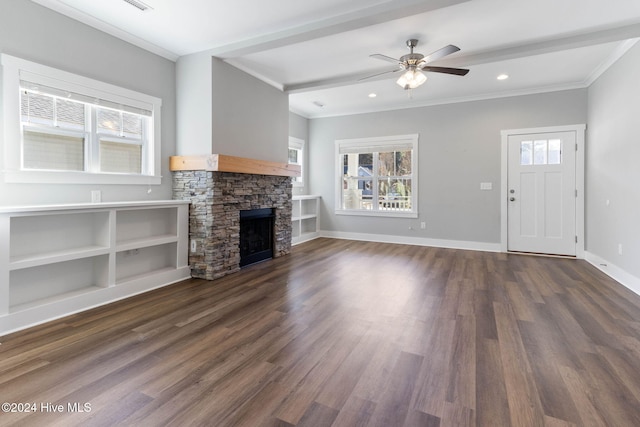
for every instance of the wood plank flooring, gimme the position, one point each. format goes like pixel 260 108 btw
pixel 344 333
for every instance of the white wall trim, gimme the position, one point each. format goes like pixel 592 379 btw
pixel 373 144
pixel 56 310
pixel 14 69
pixel 443 101
pixel 416 241
pixel 626 279
pixel 80 16
pixel 579 129
pixel 618 52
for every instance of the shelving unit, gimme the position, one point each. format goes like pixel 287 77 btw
pixel 305 211
pixel 61 259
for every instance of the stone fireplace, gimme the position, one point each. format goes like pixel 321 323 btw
pixel 217 198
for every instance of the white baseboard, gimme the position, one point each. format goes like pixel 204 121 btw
pixel 304 238
pixel 626 279
pixel 417 241
pixel 64 307
pixel 620 275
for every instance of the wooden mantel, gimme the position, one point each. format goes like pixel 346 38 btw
pixel 224 163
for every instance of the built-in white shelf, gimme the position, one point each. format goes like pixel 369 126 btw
pixel 305 218
pixel 60 259
pixel 126 245
pixel 33 260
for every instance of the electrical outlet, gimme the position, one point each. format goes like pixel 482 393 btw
pixel 96 196
pixel 423 225
pixel 619 248
pixel 194 245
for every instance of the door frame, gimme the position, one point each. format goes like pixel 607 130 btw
pixel 579 129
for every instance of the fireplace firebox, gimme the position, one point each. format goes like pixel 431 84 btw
pixel 256 235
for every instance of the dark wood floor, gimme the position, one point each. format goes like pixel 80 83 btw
pixel 345 333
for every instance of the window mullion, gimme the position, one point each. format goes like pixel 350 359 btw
pixel 144 166
pixel 55 111
pixel 376 200
pixel 93 148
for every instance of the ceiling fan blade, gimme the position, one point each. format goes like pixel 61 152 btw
pixel 446 70
pixel 379 74
pixel 441 53
pixel 384 58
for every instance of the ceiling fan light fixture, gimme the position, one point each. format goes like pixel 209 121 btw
pixel 411 79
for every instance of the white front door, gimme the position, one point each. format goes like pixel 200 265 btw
pixel 541 185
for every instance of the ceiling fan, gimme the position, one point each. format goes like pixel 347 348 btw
pixel 415 63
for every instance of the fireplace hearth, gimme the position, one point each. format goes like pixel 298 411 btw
pixel 256 235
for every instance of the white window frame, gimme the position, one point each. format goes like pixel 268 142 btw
pixel 373 145
pixel 298 144
pixel 14 69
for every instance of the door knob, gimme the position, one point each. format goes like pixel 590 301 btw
pixel 513 199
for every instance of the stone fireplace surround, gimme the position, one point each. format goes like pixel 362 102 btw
pixel 214 215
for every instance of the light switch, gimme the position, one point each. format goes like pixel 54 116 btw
pixel 486 186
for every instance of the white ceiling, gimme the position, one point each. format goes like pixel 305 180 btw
pixel 317 50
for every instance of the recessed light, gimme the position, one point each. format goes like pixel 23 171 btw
pixel 139 5
pixel 503 77
pixel 372 95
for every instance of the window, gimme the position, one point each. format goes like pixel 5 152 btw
pixel 541 152
pixel 378 176
pixel 296 157
pixel 65 128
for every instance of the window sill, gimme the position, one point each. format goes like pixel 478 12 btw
pixel 42 177
pixel 383 214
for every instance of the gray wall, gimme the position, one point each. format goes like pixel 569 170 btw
pixel 223 110
pixel 612 169
pixel 299 128
pixel 249 117
pixel 37 34
pixel 459 148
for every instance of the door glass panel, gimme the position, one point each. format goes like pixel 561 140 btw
pixel 526 152
pixel 540 152
pixel 555 151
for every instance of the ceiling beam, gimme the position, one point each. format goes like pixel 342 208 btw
pixel 539 47
pixel 544 46
pixel 346 22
